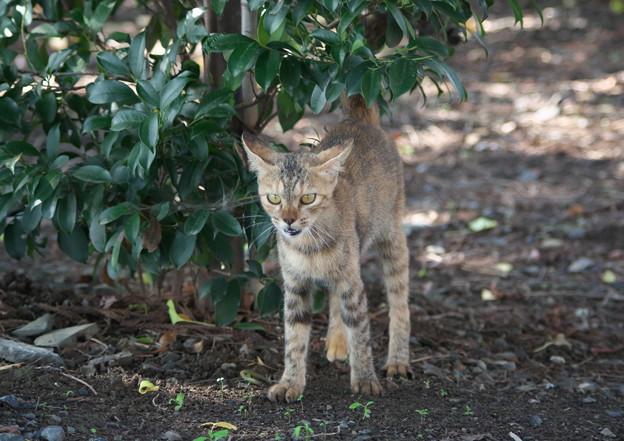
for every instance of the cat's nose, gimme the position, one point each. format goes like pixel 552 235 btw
pixel 289 220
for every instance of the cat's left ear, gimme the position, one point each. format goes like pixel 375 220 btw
pixel 333 159
pixel 259 156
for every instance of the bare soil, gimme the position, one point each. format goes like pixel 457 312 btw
pixel 518 329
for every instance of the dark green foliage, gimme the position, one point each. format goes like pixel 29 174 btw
pixel 138 159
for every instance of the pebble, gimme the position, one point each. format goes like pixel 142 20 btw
pixel 557 359
pixel 171 435
pixel 607 432
pixel 587 400
pixel 535 421
pixel 11 437
pixel 614 414
pixel 51 433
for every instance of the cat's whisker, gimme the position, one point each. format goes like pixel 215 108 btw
pixel 263 235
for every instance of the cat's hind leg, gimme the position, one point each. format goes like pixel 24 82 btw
pixel 394 260
pixel 336 343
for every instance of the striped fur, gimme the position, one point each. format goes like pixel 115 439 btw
pixel 357 178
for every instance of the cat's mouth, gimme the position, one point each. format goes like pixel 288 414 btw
pixel 291 231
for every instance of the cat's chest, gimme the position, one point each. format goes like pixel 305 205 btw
pixel 321 265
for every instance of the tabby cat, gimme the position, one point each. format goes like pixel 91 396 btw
pixel 328 207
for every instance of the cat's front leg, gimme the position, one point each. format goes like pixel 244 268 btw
pixel 297 325
pixel 354 313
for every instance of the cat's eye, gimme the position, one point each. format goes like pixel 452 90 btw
pixel 307 199
pixel 273 198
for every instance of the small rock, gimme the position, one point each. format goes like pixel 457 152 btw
pixel 11 437
pixel 66 337
pixel 535 421
pixel 329 407
pixel 12 401
pixel 588 400
pixel 557 359
pixel 614 414
pixel 35 328
pixel 51 433
pixel 607 432
pixel 16 352
pixel 581 264
pixel 342 427
pixel 171 435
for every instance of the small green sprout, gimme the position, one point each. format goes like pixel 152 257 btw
pixel 366 411
pixel 307 432
pixel 468 410
pixel 300 399
pixel 69 393
pixel 443 393
pixel 287 414
pixel 423 413
pixel 427 384
pixel 178 401
pixel 220 380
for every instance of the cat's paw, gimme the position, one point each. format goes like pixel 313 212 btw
pixel 369 387
pixel 284 392
pixel 401 370
pixel 337 348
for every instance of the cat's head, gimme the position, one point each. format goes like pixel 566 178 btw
pixel 295 188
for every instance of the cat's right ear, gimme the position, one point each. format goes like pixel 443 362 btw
pixel 259 156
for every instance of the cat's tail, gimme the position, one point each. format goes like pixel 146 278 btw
pixel 355 109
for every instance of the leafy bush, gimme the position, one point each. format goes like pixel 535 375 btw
pixel 118 140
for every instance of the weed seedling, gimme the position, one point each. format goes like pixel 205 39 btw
pixel 242 410
pixel 69 393
pixel 287 414
pixel 427 384
pixel 220 380
pixel 300 399
pixel 178 401
pixel 443 393
pixel 307 432
pixel 423 413
pixel 366 411
pixel 468 410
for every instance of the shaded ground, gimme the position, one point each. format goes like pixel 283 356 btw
pixel 518 330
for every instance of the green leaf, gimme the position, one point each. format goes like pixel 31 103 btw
pixel 109 62
pixel 95 122
pixel 173 90
pixel 127 119
pixel 148 93
pixel 52 142
pixel 182 248
pixel 136 56
pixel 401 21
pixel 216 99
pixel 215 288
pixel 100 15
pixel 269 300
pixel 267 67
pixel 317 99
pixel 254 5
pixel 445 71
pixel 113 213
pixel 225 42
pixel 289 112
pixel 97 235
pixel 247 326
pixel 66 213
pixel 301 10
pixel 132 226
pixel 75 244
pixel 111 91
pixel 218 6
pixel 195 222
pixel 93 173
pixel 19 148
pixel 10 112
pixel 14 241
pixel 148 131
pixel 429 46
pixel 371 85
pixel 275 16
pixel 226 223
pixel 290 74
pixel 227 308
pixel 326 36
pixel 242 58
pixel 402 76
pixel 482 224
pixel 47 107
pixel 31 218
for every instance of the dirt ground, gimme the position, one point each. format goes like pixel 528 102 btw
pixel 516 225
